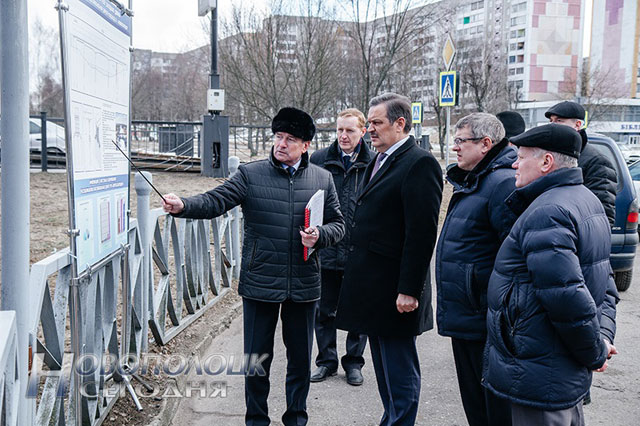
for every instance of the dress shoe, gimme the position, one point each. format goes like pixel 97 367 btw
pixel 321 373
pixel 354 377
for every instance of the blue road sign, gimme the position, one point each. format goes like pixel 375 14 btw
pixel 448 88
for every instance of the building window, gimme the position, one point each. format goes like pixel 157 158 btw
pixel 466 20
pixel 477 5
pixel 519 7
pixel 512 59
pixel 518 20
pixel 512 71
pixel 519 70
pixel 521 32
pixel 520 58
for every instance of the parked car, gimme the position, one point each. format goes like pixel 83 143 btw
pixel 55 137
pixel 624 232
pixel 631 153
pixel 634 170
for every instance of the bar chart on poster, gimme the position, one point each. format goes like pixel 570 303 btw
pixel 97 40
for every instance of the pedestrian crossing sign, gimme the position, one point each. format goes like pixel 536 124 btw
pixel 448 87
pixel 416 113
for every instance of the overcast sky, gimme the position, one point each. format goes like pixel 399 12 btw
pixel 161 25
pixel 174 25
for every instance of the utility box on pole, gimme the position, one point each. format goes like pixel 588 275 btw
pixel 215 146
pixel 215 127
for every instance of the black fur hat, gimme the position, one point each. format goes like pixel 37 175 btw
pixel 513 123
pixel 294 121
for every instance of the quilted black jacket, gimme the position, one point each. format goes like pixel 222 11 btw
pixel 273 203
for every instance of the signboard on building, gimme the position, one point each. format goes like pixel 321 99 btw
pixel 448 86
pixel 96 41
pixel 416 113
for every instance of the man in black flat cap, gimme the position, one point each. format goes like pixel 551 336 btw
pixel 513 123
pixel 549 321
pixel 599 175
pixel 275 279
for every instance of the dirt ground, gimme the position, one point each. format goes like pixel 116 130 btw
pixel 49 207
pixel 48 233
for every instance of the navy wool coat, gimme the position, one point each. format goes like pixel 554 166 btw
pixel 393 234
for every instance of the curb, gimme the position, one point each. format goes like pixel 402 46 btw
pixel 170 406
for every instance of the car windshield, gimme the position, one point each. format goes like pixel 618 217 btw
pixel 634 170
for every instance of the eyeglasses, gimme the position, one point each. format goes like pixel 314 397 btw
pixel 460 141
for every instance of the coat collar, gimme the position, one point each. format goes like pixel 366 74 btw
pixel 499 156
pixel 410 143
pixel 304 162
pixel 334 156
pixel 521 198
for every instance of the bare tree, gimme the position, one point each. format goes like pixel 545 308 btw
pixel 44 70
pixel 189 84
pixel 598 88
pixel 270 60
pixel 386 33
pixel 483 76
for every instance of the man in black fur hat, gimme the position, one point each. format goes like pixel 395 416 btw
pixel 275 279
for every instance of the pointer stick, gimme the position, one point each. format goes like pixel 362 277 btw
pixel 139 171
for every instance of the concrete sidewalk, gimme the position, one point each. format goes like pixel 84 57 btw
pixel 615 393
pixel 332 402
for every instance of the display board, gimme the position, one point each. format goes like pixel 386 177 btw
pixel 96 42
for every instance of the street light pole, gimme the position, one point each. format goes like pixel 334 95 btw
pixel 214 77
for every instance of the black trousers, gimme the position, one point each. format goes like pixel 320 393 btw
pixel 326 327
pixel 397 367
pixel 260 320
pixel 481 406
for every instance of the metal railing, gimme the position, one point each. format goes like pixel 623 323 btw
pixel 10 376
pixel 195 261
pixel 166 145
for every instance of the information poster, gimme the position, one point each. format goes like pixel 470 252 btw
pixel 97 40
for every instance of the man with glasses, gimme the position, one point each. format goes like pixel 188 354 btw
pixel 346 159
pixel 275 279
pixel 477 222
pixel 386 293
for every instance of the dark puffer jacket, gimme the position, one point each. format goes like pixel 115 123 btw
pixel 546 295
pixel 346 182
pixel 477 222
pixel 599 176
pixel 273 204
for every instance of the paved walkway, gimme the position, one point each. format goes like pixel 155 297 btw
pixel 335 403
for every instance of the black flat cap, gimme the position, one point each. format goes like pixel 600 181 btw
pixel 513 123
pixel 566 109
pixel 551 137
pixel 294 121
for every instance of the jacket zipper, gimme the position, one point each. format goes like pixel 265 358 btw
pixel 291 206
